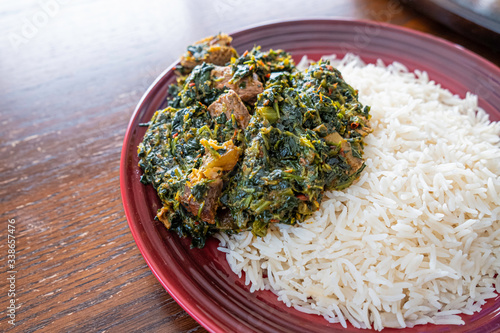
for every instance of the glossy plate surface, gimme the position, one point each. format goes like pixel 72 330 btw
pixel 200 280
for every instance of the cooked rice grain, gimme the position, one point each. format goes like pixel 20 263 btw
pixel 417 239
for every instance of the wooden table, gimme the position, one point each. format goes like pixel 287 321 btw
pixel 71 74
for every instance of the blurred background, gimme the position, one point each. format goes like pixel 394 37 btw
pixel 77 43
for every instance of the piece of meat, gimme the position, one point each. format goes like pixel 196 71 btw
pixel 220 55
pixel 334 138
pixel 352 160
pixel 210 202
pixel 226 221
pixel 230 103
pixel 247 88
pixel 365 129
pixel 216 50
pixel 213 168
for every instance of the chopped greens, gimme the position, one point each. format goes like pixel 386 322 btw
pixel 252 143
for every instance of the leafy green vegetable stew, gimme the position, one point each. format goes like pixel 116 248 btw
pixel 250 140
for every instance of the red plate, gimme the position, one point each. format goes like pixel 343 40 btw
pixel 201 280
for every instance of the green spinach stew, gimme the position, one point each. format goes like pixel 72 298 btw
pixel 247 141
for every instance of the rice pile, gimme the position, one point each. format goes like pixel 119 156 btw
pixel 417 239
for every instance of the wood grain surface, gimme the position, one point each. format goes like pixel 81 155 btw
pixel 71 73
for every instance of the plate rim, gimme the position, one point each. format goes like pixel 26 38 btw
pixel 196 313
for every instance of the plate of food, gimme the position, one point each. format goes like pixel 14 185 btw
pixel 321 176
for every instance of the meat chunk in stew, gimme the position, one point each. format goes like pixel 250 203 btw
pixel 247 88
pixel 230 103
pixel 216 50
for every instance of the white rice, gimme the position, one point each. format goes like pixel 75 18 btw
pixel 417 239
